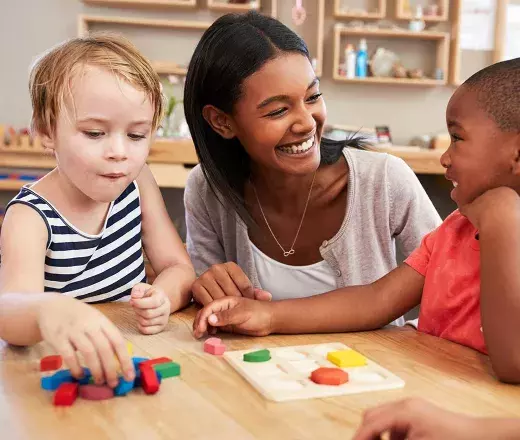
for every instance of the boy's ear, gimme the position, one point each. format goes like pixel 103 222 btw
pixel 47 141
pixel 219 121
pixel 516 163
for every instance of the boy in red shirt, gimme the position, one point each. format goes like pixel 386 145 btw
pixel 466 273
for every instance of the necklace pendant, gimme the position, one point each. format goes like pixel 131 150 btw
pixel 287 253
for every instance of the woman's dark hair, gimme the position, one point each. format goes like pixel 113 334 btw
pixel 234 47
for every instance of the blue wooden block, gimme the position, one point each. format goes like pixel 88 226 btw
pixel 137 361
pixel 85 380
pixel 52 383
pixel 123 387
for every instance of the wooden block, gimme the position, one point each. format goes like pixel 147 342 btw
pixel 123 387
pixel 329 376
pixel 257 356
pixel 50 363
pixel 149 379
pixel 170 369
pixel 66 394
pixel 87 376
pixel 214 346
pixel 96 392
pixel 138 360
pixel 52 383
pixel 152 362
pixel 347 358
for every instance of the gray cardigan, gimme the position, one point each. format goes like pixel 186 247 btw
pixel 386 203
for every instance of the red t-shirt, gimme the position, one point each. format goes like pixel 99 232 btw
pixel 449 259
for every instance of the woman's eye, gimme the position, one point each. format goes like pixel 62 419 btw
pixel 277 112
pixel 315 97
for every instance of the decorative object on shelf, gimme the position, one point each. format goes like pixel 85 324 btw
pixel 298 13
pixel 416 73
pixel 438 74
pixel 417 24
pixel 383 134
pixel 174 114
pixel 382 62
pixel 362 59
pixel 432 10
pixel 399 71
pixel 422 141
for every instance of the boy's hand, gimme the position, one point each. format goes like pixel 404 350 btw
pixel 226 279
pixel 73 327
pixel 152 307
pixel 494 205
pixel 236 315
pixel 416 419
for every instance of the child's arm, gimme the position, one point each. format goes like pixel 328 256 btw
pixel 168 257
pixel 416 418
pixel 496 215
pixel 27 315
pixel 355 308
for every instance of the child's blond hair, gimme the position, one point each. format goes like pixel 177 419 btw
pixel 51 75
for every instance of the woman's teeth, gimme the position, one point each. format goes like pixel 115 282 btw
pixel 455 184
pixel 298 149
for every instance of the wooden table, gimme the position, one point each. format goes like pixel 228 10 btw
pixel 212 401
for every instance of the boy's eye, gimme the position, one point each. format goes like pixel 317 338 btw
pixel 136 136
pixel 93 134
pixel 314 97
pixel 455 138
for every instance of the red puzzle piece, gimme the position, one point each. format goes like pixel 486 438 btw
pixel 152 362
pixel 66 394
pixel 214 346
pixel 50 363
pixel 329 376
pixel 149 380
pixel 96 392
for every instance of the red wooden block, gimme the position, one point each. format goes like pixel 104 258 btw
pixel 149 380
pixel 214 346
pixel 66 394
pixel 95 392
pixel 50 363
pixel 329 376
pixel 152 362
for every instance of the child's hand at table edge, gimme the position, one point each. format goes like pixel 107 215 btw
pixel 152 307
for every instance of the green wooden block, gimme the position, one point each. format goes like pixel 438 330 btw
pixel 257 356
pixel 168 369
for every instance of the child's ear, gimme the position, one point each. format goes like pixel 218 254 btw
pixel 516 162
pixel 47 141
pixel 219 121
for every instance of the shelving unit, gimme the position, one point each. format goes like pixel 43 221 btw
pixel 442 54
pixel 401 14
pixel 376 15
pixel 234 7
pixel 143 3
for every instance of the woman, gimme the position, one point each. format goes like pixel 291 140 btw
pixel 274 210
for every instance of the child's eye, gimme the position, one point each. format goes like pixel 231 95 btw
pixel 314 97
pixel 277 112
pixel 93 134
pixel 455 138
pixel 136 137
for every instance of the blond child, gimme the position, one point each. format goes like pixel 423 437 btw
pixel 465 274
pixel 77 234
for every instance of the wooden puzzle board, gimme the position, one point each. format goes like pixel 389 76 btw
pixel 286 375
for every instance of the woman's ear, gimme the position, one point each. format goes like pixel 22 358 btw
pixel 218 121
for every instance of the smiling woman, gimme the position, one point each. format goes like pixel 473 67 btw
pixel 274 210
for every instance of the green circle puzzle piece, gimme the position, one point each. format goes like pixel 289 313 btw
pixel 257 356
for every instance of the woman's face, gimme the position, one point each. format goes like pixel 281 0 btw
pixel 280 116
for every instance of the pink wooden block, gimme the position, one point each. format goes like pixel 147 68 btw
pixel 214 346
pixel 96 392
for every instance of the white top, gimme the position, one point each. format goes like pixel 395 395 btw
pixel 287 282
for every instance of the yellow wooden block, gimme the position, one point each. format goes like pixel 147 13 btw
pixel 346 358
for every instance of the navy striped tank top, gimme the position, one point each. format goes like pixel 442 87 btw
pixel 92 268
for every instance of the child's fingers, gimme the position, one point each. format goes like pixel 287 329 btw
pixel 200 325
pixel 152 300
pixel 150 313
pixel 152 330
pixel 106 356
pixel 389 417
pixel 66 350
pixel 151 322
pixel 85 346
pixel 120 348
pixel 139 290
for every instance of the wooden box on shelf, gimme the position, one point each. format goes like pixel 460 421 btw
pixel 442 15
pixel 442 39
pixel 225 6
pixel 340 13
pixel 144 3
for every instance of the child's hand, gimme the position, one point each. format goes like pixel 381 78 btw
pixel 152 307
pixel 71 326
pixel 496 203
pixel 415 419
pixel 222 280
pixel 236 315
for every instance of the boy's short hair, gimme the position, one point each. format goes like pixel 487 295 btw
pixel 498 92
pixel 52 73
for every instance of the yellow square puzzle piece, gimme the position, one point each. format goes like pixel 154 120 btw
pixel 346 358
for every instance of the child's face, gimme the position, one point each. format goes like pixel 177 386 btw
pixel 102 140
pixel 280 112
pixel 481 156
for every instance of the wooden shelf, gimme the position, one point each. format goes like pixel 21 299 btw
pixel 427 82
pixel 12 184
pixel 144 3
pixel 392 33
pixel 85 20
pixel 377 15
pixel 168 68
pixel 419 160
pixel 444 6
pixel 231 7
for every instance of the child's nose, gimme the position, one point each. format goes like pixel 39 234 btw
pixel 117 150
pixel 445 159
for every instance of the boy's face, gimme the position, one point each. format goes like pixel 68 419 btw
pixel 481 156
pixel 103 135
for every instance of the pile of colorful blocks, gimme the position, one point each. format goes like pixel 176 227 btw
pixel 149 374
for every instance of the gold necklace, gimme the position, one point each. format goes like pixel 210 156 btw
pixel 291 250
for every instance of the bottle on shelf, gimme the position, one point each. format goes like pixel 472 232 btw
pixel 350 61
pixel 362 60
pixel 418 24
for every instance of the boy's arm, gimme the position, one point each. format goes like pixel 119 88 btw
pixel 496 214
pixel 355 308
pixel 163 246
pixel 22 243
